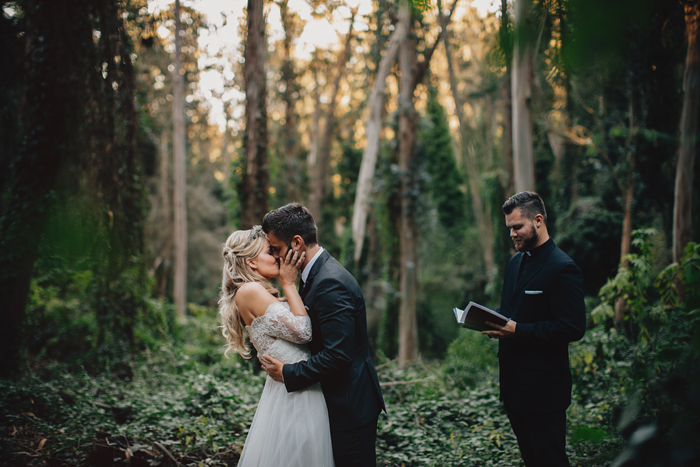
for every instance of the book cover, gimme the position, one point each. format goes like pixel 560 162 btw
pixel 474 316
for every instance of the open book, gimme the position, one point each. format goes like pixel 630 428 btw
pixel 474 316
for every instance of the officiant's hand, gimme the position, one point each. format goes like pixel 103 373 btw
pixel 501 332
pixel 272 367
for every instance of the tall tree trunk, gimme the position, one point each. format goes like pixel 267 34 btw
pixel 322 186
pixel 289 76
pixel 626 242
pixel 627 198
pixel 164 179
pixel 483 220
pixel 408 121
pixel 373 126
pixel 254 188
pixel 412 73
pixel 373 129
pixel 161 264
pixel 225 153
pixel 375 284
pixel 682 203
pixel 387 338
pixel 523 56
pixel 179 181
pixel 507 185
pixel 312 158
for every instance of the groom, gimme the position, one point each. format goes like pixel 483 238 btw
pixel 340 358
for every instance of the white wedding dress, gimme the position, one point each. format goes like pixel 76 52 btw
pixel 288 429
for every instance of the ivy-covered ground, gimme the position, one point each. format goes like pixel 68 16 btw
pixel 178 401
pixel 198 415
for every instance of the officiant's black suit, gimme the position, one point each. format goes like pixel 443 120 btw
pixel 547 304
pixel 340 358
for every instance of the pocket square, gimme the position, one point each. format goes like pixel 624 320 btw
pixel 533 292
pixel 307 308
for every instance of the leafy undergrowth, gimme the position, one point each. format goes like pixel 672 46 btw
pixel 199 415
pixel 431 421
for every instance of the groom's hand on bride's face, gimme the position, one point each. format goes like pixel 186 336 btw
pixel 272 367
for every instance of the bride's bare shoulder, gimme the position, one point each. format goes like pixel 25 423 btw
pixel 253 297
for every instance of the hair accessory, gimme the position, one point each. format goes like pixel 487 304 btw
pixel 255 232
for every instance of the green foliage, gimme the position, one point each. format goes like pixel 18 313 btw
pixel 421 5
pixel 197 412
pixel 633 284
pixel 63 323
pixel 431 423
pixel 585 233
pixel 74 194
pixel 203 412
pixel 58 325
pixel 645 386
pixel 602 28
pixel 470 359
pixel 446 180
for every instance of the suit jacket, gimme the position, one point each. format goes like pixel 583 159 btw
pixel 340 358
pixel 547 305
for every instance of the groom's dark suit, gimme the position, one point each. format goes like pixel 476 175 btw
pixel 340 358
pixel 547 304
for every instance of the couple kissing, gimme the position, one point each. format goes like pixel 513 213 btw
pixel 321 399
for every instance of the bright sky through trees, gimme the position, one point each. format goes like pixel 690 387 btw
pixel 223 38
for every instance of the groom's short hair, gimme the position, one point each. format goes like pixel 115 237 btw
pixel 529 203
pixel 290 220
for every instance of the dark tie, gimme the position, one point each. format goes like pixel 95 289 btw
pixel 301 286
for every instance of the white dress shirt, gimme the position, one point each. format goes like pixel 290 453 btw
pixel 307 269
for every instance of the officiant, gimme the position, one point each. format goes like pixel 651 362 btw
pixel 543 297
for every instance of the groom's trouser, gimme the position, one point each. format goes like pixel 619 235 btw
pixel 541 437
pixel 356 447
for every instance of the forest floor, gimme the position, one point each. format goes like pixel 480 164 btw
pixel 198 415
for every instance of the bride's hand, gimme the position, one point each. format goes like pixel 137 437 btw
pixel 290 266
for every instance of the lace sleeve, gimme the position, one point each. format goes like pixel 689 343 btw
pixel 284 325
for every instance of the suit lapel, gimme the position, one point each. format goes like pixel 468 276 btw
pixel 532 272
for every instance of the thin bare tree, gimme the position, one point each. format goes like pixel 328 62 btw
pixel 179 177
pixel 373 129
pixel 312 156
pixel 481 212
pixel 164 217
pixel 321 181
pixel 627 190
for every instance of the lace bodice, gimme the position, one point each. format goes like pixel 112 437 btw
pixel 281 334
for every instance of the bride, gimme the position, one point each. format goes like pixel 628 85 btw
pixel 290 429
